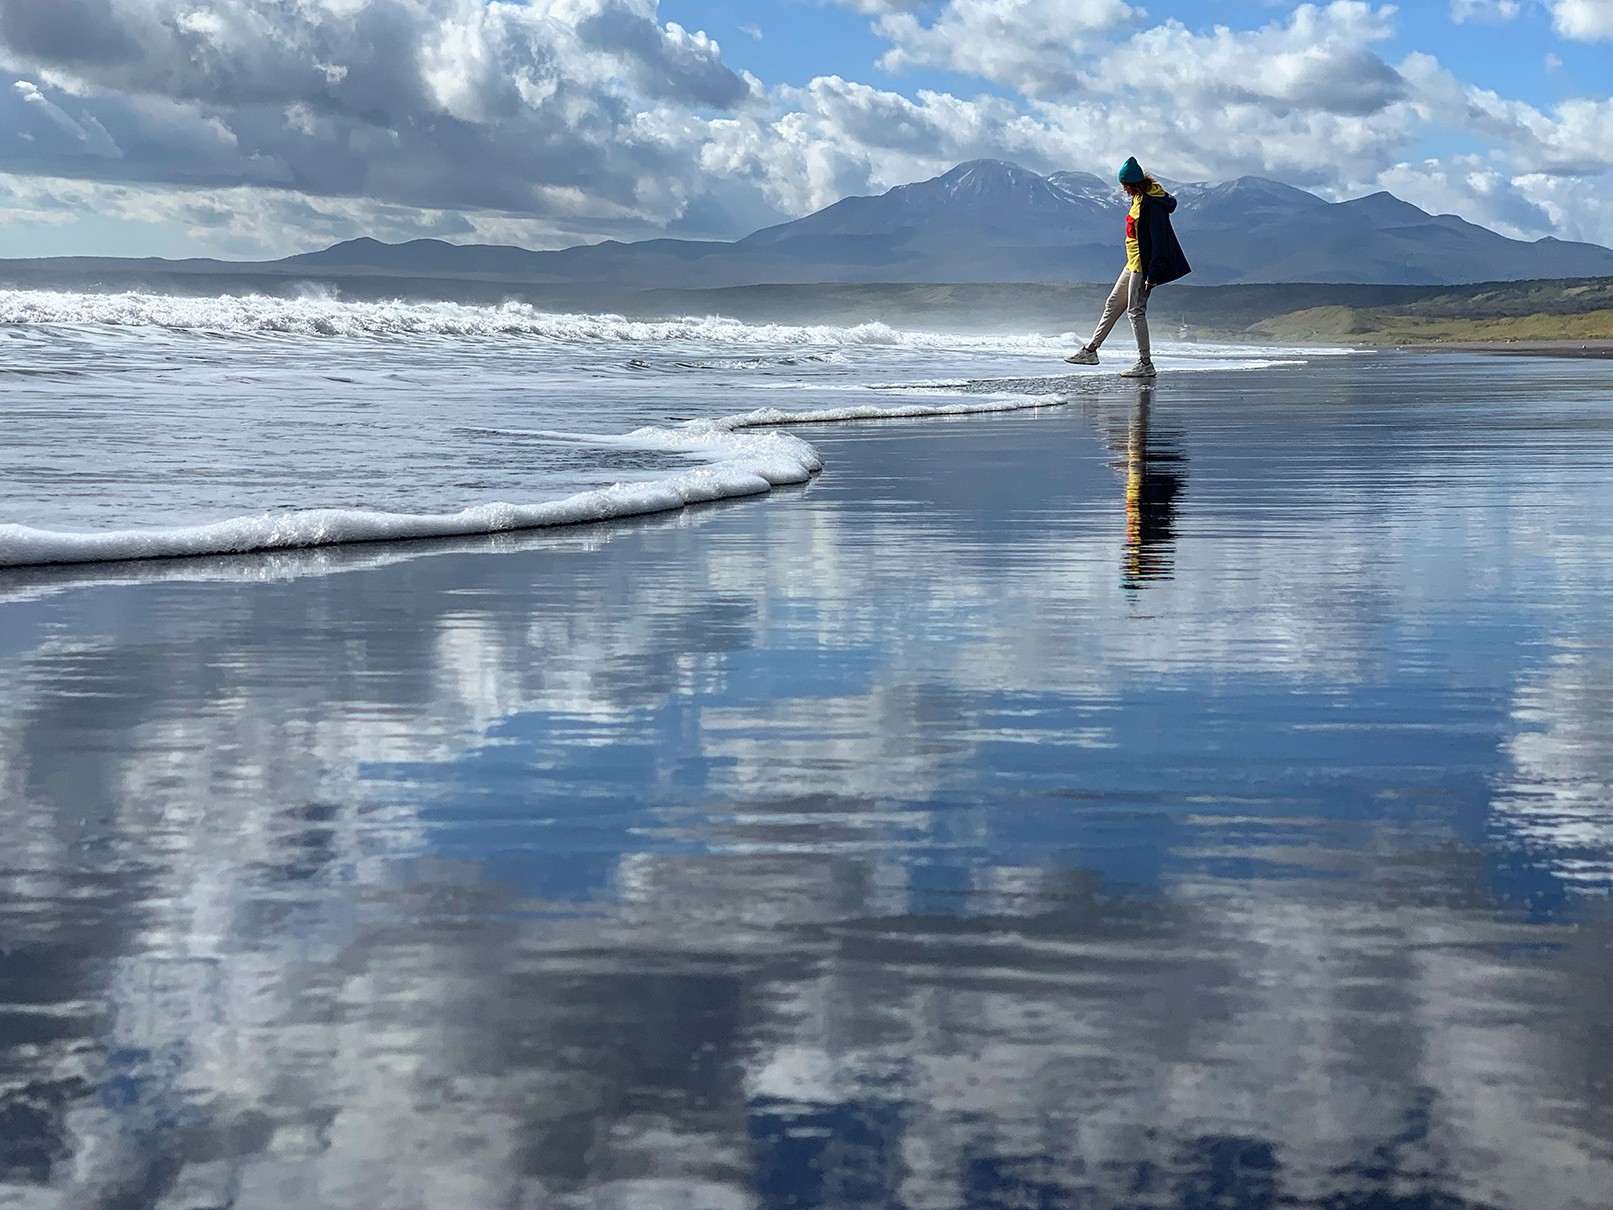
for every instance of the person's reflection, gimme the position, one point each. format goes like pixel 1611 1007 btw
pixel 1153 481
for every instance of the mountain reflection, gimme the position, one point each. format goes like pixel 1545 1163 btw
pixel 766 857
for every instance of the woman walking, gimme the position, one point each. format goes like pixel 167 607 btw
pixel 1153 257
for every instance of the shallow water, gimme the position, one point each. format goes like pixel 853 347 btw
pixel 1196 797
pixel 283 422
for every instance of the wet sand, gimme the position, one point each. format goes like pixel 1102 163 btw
pixel 1188 796
pixel 1597 349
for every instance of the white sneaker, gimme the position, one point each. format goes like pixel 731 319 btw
pixel 1143 369
pixel 1083 357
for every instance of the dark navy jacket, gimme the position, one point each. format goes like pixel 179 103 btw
pixel 1161 255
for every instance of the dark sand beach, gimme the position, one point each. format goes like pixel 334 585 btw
pixel 1598 349
pixel 1190 796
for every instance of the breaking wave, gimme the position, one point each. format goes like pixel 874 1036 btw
pixel 320 315
pixel 728 456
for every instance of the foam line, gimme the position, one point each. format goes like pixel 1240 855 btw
pixel 744 464
pixel 770 417
pixel 22 546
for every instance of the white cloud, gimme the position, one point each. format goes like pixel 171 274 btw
pixel 1034 46
pixel 559 120
pixel 433 103
pixel 1463 11
pixel 1583 20
pixel 87 135
pixel 881 7
pixel 1471 186
pixel 250 222
pixel 1305 98
pixel 836 137
pixel 1574 138
pixel 1579 208
pixel 1319 60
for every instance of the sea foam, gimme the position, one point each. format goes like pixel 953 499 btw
pixel 322 315
pixel 209 364
pixel 742 464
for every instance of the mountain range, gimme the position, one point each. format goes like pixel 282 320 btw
pixel 990 221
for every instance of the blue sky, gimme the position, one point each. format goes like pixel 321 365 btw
pixel 254 128
pixel 805 38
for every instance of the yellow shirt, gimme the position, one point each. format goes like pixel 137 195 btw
pixel 1134 256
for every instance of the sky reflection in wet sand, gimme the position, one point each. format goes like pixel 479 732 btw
pixel 1187 798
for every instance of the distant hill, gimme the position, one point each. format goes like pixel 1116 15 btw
pixel 990 221
pixel 1569 309
pixel 1573 309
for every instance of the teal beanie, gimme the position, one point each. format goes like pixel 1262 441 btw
pixel 1131 172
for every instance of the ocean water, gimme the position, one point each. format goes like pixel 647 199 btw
pixel 1176 797
pixel 141 425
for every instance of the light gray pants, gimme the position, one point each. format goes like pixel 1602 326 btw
pixel 1131 296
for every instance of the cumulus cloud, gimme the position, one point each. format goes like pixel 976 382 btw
pixel 1307 98
pixel 243 221
pixel 1574 138
pixel 837 137
pixel 1583 20
pixel 1463 11
pixel 293 121
pixel 1578 208
pixel 1469 185
pixel 1034 46
pixel 432 103
pixel 1525 205
pixel 1320 59
pixel 1546 171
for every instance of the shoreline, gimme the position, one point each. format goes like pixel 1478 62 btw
pixel 1589 349
pixel 1537 310
pixel 762 464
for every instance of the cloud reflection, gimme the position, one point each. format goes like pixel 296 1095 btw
pixel 821 853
